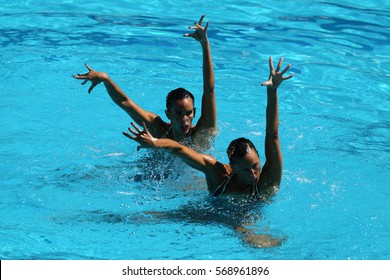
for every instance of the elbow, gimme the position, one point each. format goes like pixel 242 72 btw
pixel 125 103
pixel 273 134
pixel 210 88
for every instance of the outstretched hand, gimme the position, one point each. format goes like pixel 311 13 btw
pixel 142 137
pixel 275 76
pixel 93 76
pixel 200 33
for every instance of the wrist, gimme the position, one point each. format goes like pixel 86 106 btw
pixel 205 43
pixel 271 89
pixel 156 143
pixel 105 78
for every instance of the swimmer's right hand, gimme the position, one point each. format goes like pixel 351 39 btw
pixel 142 137
pixel 93 76
pixel 276 76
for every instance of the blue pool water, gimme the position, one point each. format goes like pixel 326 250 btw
pixel 68 176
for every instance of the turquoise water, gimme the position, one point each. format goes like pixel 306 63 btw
pixel 69 187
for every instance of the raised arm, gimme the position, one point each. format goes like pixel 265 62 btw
pixel 271 174
pixel 138 114
pixel 208 119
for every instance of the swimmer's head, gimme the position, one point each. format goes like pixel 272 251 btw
pixel 178 94
pixel 180 111
pixel 244 159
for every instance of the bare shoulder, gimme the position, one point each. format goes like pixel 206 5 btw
pixel 217 173
pixel 157 127
pixel 217 166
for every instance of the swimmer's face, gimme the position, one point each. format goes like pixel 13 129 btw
pixel 247 168
pixel 181 113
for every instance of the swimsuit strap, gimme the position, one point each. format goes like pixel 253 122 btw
pixel 222 187
pixel 255 192
pixel 186 141
pixel 166 133
pixel 190 134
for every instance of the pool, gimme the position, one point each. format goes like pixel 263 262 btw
pixel 68 176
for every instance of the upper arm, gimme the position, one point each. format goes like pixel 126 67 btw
pixel 201 162
pixel 137 113
pixel 206 127
pixel 271 173
pixel 208 115
pixel 155 124
pixel 214 170
pixel 209 112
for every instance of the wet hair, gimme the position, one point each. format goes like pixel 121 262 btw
pixel 238 148
pixel 178 94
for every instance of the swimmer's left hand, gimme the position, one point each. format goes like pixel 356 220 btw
pixel 142 137
pixel 200 33
pixel 276 77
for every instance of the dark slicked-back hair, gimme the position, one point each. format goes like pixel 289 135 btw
pixel 178 94
pixel 238 148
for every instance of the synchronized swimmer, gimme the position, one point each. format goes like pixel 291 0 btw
pixel 243 175
pixel 180 108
